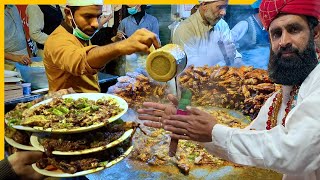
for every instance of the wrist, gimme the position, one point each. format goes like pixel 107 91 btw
pixel 122 47
pixel 8 166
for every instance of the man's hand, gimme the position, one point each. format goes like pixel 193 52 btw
pixel 23 59
pixel 156 113
pixel 140 41
pixel 21 164
pixel 196 126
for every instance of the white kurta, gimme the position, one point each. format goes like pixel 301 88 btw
pixel 200 41
pixel 293 150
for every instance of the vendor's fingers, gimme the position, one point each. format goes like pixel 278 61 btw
pixel 179 136
pixel 149 37
pixel 153 105
pixel 154 112
pixel 173 99
pixel 193 110
pixel 176 123
pixel 29 60
pixel 29 157
pixel 181 118
pixel 175 130
pixel 33 174
pixel 153 124
pixel 150 118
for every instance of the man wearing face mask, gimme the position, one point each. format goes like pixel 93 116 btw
pixel 69 58
pixel 138 19
pixel 206 37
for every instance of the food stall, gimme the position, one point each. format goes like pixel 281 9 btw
pixel 233 95
pixel 100 136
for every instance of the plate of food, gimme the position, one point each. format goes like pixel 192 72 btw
pixel 77 144
pixel 18 139
pixel 72 113
pixel 73 166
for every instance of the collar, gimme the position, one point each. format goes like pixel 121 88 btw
pixel 67 27
pixel 70 30
pixel 199 17
pixel 134 20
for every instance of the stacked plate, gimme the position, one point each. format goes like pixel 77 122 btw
pixel 76 150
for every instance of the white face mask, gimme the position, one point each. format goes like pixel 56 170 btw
pixel 80 34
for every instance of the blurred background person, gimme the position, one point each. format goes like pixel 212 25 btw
pixel 108 26
pixel 206 37
pixel 137 19
pixel 43 20
pixel 252 39
pixel 15 44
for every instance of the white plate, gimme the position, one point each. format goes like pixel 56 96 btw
pixel 10 73
pixel 24 128
pixel 40 91
pixel 12 79
pixel 91 96
pixel 59 173
pixel 19 146
pixel 34 139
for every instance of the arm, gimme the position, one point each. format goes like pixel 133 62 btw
pixel 36 24
pixel 6 170
pixel 79 60
pixel 140 41
pixel 292 149
pixel 23 59
pixel 239 30
pixel 18 165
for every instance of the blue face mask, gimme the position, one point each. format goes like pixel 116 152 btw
pixel 80 34
pixel 132 10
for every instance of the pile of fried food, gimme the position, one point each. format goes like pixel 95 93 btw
pixel 136 88
pixel 153 149
pixel 87 140
pixel 81 141
pixel 244 88
pixel 15 117
pixel 73 164
pixel 70 113
pixel 65 113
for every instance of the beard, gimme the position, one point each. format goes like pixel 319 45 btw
pixel 293 69
pixel 211 19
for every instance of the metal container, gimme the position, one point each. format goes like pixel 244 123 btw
pixel 166 62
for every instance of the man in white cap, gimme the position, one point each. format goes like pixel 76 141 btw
pixel 70 59
pixel 206 37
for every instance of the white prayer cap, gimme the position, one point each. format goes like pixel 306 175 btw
pixel 84 2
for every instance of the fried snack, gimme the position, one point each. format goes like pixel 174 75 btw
pixel 244 88
pixel 73 164
pixel 136 88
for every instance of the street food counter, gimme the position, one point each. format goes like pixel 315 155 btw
pixel 84 127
